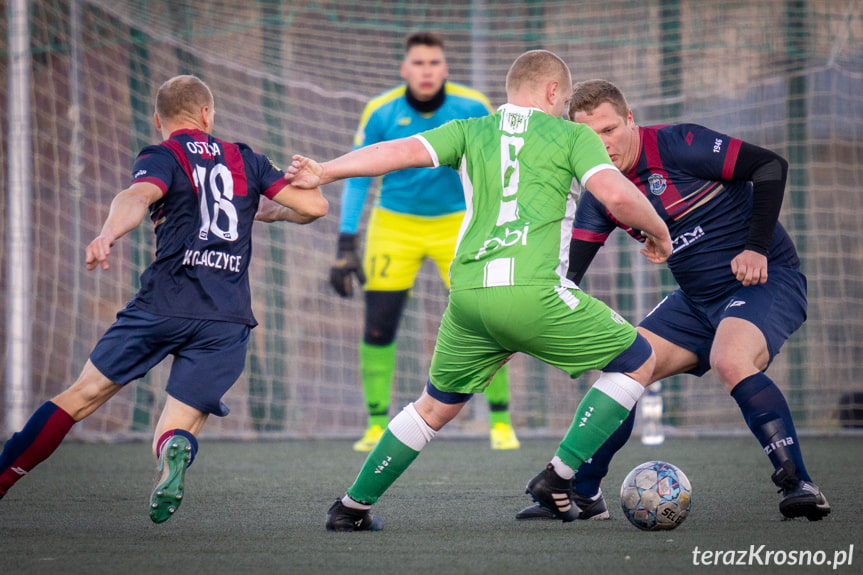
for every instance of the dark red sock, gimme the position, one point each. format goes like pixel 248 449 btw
pixel 26 449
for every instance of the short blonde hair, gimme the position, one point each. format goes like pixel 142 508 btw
pixel 536 67
pixel 182 96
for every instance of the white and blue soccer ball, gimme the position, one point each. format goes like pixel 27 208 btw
pixel 656 496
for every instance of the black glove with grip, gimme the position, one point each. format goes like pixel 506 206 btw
pixel 348 263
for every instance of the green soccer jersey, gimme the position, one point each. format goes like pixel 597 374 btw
pixel 517 167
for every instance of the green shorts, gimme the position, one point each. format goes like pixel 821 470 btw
pixel 482 328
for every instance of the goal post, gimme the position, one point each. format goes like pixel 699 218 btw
pixel 19 301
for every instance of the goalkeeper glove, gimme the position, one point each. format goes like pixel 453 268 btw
pixel 347 263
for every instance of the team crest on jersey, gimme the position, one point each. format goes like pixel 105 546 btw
pixel 657 184
pixel 405 121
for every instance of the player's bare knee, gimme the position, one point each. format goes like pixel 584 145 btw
pixel 730 370
pixel 644 374
pixel 85 397
pixel 637 361
pixel 437 407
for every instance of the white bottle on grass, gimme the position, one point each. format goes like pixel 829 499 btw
pixel 650 404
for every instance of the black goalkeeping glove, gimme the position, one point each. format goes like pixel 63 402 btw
pixel 347 262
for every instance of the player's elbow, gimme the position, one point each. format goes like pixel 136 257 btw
pixel 312 210
pixel 618 200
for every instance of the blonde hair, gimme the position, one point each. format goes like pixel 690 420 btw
pixel 534 68
pixel 182 96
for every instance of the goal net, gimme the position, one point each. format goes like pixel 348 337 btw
pixel 293 77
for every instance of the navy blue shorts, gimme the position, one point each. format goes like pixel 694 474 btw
pixel 777 308
pixel 209 356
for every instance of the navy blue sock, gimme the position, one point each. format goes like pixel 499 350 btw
pixel 767 414
pixel 590 473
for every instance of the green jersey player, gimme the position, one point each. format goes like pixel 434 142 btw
pixel 509 291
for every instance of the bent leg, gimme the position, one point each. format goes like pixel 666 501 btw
pixel 404 438
pixel 174 446
pixel 177 416
pixel 740 351
pixel 605 405
pixel 671 360
pixel 89 392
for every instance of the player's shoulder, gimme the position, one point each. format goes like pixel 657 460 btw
pixel 158 149
pixel 683 131
pixel 251 158
pixel 457 90
pixel 685 138
pixel 387 97
pixel 241 147
pixel 163 151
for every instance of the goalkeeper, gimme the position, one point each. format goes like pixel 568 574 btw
pixel 416 215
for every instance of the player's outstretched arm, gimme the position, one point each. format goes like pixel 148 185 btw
pixel 304 205
pixel 373 160
pixel 128 209
pixel 629 206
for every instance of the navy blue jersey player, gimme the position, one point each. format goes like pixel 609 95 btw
pixel 202 195
pixel 741 292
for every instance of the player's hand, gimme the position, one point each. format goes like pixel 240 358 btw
pixel 347 264
pixel 304 173
pixel 97 252
pixel 656 250
pixel 750 268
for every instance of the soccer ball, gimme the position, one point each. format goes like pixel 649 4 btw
pixel 656 496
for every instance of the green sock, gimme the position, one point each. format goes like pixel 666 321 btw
pixel 497 394
pixel 386 462
pixel 498 416
pixel 377 366
pixel 379 419
pixel 596 418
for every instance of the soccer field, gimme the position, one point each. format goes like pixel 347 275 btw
pixel 260 508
